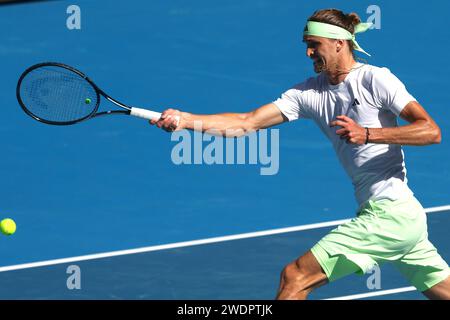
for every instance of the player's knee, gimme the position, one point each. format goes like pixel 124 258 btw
pixel 293 274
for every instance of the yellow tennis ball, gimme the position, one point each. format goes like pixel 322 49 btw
pixel 8 226
pixel 87 101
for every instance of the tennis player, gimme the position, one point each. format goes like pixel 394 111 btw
pixel 356 106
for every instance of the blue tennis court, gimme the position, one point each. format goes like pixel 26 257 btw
pixel 107 197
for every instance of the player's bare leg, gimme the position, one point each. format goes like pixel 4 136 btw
pixel 300 277
pixel 440 291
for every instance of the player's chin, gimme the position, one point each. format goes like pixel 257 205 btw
pixel 318 67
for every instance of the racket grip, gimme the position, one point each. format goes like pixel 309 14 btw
pixel 144 113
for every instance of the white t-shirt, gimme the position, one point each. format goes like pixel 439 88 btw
pixel 373 97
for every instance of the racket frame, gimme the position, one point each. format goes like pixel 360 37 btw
pixel 98 91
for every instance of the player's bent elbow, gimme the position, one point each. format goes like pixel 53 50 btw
pixel 430 133
pixel 433 135
pixel 437 137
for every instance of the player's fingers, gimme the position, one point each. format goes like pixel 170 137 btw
pixel 170 119
pixel 169 112
pixel 169 127
pixel 337 123
pixel 177 120
pixel 351 140
pixel 169 123
pixel 173 120
pixel 162 122
pixel 342 131
pixel 165 113
pixel 172 126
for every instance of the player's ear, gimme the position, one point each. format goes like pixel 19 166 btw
pixel 339 45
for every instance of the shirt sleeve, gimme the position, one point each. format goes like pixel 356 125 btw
pixel 390 92
pixel 290 104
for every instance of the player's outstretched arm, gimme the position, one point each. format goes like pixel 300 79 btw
pixel 225 124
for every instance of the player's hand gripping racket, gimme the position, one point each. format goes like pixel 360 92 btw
pixel 55 93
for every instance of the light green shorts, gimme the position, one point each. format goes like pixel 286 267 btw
pixel 383 231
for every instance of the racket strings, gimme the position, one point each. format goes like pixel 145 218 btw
pixel 57 94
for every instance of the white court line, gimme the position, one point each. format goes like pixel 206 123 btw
pixel 187 243
pixel 173 245
pixel 437 209
pixel 374 294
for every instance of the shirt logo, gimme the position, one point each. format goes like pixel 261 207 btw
pixel 355 103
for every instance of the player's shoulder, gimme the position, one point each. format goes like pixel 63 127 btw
pixel 312 84
pixel 370 72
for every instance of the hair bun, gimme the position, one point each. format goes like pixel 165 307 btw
pixel 353 19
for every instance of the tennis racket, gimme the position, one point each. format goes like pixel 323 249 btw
pixel 58 94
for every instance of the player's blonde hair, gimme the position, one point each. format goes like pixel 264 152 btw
pixel 338 18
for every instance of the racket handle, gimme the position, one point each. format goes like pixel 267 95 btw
pixel 144 113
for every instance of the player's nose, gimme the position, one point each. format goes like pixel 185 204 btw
pixel 309 52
